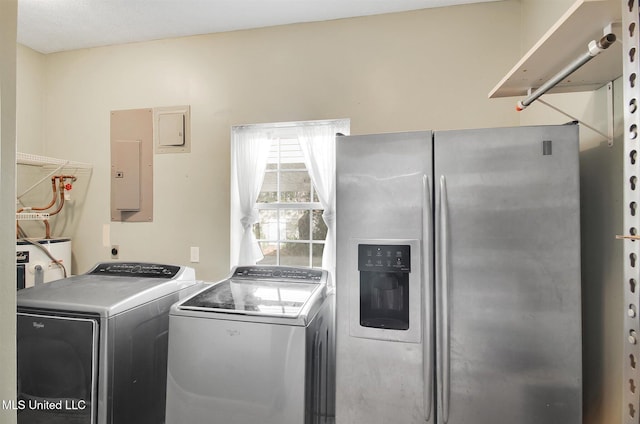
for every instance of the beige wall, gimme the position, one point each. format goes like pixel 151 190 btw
pixel 420 70
pixel 30 88
pixel 538 16
pixel 8 22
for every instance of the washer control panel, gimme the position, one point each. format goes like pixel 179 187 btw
pixel 281 273
pixel 135 269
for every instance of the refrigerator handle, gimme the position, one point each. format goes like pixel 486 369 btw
pixel 444 276
pixel 427 301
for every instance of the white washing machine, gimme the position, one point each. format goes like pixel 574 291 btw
pixel 92 349
pixel 256 347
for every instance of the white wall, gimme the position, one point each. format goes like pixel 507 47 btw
pixel 8 23
pixel 428 69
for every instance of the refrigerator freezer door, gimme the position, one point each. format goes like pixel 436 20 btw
pixel 382 190
pixel 508 276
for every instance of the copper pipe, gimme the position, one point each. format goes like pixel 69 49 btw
pixel 62 179
pixel 53 200
pixel 47 229
pixel 61 204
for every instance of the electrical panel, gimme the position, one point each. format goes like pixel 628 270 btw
pixel 172 129
pixel 132 165
pixel 126 179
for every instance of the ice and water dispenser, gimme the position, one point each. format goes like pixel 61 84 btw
pixel 384 285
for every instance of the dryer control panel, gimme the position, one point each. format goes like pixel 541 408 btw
pixel 135 269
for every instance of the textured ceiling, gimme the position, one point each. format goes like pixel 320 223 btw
pixel 50 26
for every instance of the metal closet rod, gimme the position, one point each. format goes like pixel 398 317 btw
pixel 594 49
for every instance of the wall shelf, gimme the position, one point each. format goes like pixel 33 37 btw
pixel 31 216
pixel 51 166
pixel 37 160
pixel 567 39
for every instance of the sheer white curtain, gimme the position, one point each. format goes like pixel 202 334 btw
pixel 250 152
pixel 318 144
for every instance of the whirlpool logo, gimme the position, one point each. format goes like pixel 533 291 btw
pixel 22 257
pixel 37 324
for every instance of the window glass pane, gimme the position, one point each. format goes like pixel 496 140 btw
pixel 294 224
pixel 317 249
pixel 295 186
pixel 294 254
pixel 269 190
pixel 272 159
pixel 319 226
pixel 294 165
pixel 267 227
pixel 290 154
pixel 270 252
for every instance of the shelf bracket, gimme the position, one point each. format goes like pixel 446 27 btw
pixel 609 135
pixel 594 48
pixel 45 178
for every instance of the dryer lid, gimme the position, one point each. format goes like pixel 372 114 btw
pixel 109 289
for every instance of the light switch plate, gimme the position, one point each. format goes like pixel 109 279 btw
pixel 195 254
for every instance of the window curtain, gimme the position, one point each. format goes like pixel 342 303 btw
pixel 318 144
pixel 251 149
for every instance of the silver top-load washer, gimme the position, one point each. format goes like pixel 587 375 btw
pixel 263 294
pixel 92 348
pixel 254 347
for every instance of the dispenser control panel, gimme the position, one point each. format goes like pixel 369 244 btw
pixel 384 257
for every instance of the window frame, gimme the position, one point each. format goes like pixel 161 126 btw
pixel 270 130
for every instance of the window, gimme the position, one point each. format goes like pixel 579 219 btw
pixel 283 193
pixel 290 229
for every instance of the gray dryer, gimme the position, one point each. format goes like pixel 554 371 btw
pixel 92 349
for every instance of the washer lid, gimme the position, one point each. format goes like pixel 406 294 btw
pixel 257 297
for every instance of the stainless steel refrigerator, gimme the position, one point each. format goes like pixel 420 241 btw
pixel 458 277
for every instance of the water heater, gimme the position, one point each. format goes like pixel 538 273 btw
pixel 42 260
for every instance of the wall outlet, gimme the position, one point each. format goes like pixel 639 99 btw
pixel 115 251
